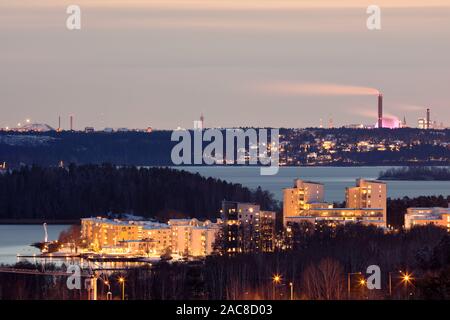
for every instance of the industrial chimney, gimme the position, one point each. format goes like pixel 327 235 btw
pixel 428 124
pixel 380 110
pixel 71 123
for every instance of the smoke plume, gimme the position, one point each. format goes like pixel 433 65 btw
pixel 316 89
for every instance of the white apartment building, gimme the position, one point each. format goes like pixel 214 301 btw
pixel 424 216
pixel 366 204
pixel 180 236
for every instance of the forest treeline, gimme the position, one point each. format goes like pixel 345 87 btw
pixel 90 190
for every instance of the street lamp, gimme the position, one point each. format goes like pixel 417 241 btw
pixel 390 282
pixel 109 293
pixel 291 285
pixel 276 279
pixel 122 281
pixel 406 279
pixel 349 285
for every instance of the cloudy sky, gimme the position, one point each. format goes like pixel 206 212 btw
pixel 281 63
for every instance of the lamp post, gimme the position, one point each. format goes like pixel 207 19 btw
pixel 349 285
pixel 109 293
pixel 406 279
pixel 363 284
pixel 390 280
pixel 291 285
pixel 122 281
pixel 276 279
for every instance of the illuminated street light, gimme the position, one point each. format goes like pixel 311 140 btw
pixel 291 285
pixel 276 278
pixel 406 278
pixel 109 293
pixel 349 286
pixel 122 281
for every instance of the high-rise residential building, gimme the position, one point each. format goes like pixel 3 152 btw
pixel 368 194
pixel 267 220
pixel 301 197
pixel 247 228
pixel 366 204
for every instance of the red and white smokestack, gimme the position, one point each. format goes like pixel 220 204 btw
pixel 380 110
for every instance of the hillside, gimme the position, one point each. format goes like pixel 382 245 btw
pixel 83 191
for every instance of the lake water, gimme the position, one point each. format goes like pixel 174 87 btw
pixel 16 239
pixel 335 179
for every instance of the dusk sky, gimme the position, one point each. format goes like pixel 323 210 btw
pixel 278 63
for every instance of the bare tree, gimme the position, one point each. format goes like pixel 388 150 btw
pixel 324 281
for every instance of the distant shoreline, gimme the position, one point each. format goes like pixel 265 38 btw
pixel 37 221
pixel 416 174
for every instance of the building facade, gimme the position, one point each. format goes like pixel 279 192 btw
pixel 365 204
pixel 426 216
pixel 191 237
pixel 184 237
pixel 301 197
pixel 367 194
pixel 247 228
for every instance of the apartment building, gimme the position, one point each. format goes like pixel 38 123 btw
pixel 248 228
pixel 425 216
pixel 301 197
pixel 189 237
pixel 367 194
pixel 366 204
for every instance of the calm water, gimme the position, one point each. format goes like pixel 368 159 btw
pixel 16 239
pixel 335 180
